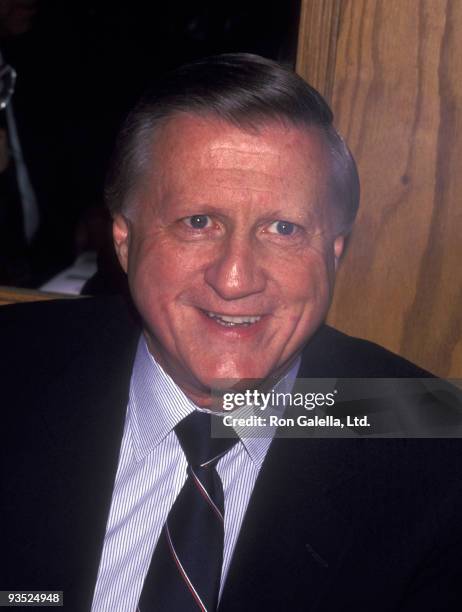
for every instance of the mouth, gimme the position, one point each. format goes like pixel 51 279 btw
pixel 233 321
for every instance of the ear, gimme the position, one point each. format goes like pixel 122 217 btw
pixel 121 236
pixel 339 244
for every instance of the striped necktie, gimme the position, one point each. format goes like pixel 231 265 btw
pixel 185 569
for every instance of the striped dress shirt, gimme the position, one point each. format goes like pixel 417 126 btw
pixel 150 475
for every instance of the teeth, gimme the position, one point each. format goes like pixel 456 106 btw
pixel 230 321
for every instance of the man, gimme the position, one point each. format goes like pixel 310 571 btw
pixel 231 194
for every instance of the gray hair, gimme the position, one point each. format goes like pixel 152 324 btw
pixel 242 89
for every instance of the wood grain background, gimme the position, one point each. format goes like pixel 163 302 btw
pixel 394 79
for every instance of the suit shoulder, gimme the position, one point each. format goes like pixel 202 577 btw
pixel 67 312
pixel 345 356
pixel 53 329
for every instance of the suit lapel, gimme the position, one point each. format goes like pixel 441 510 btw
pixel 86 407
pixel 293 537
pixel 294 534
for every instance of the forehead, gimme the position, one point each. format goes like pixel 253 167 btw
pixel 192 154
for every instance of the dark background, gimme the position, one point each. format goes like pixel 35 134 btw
pixel 80 69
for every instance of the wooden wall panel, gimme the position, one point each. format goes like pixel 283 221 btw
pixel 317 43
pixel 397 97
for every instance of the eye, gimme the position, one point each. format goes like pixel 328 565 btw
pixel 283 228
pixel 198 222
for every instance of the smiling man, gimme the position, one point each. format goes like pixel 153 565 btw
pixel 230 247
pixel 231 194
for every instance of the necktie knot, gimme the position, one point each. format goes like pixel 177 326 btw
pixel 194 435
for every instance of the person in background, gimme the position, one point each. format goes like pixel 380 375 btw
pixel 19 212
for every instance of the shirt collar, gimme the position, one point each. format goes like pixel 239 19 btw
pixel 156 405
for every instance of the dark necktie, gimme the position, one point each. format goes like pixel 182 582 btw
pixel 185 569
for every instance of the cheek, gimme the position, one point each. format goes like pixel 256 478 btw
pixel 160 275
pixel 154 266
pixel 307 282
pixel 150 277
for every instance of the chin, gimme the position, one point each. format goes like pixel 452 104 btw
pixel 229 375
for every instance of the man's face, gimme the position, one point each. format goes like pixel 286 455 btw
pixel 228 250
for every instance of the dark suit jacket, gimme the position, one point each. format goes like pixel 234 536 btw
pixel 332 525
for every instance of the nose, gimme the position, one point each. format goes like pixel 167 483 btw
pixel 235 272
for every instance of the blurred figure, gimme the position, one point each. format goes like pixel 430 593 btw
pixel 19 214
